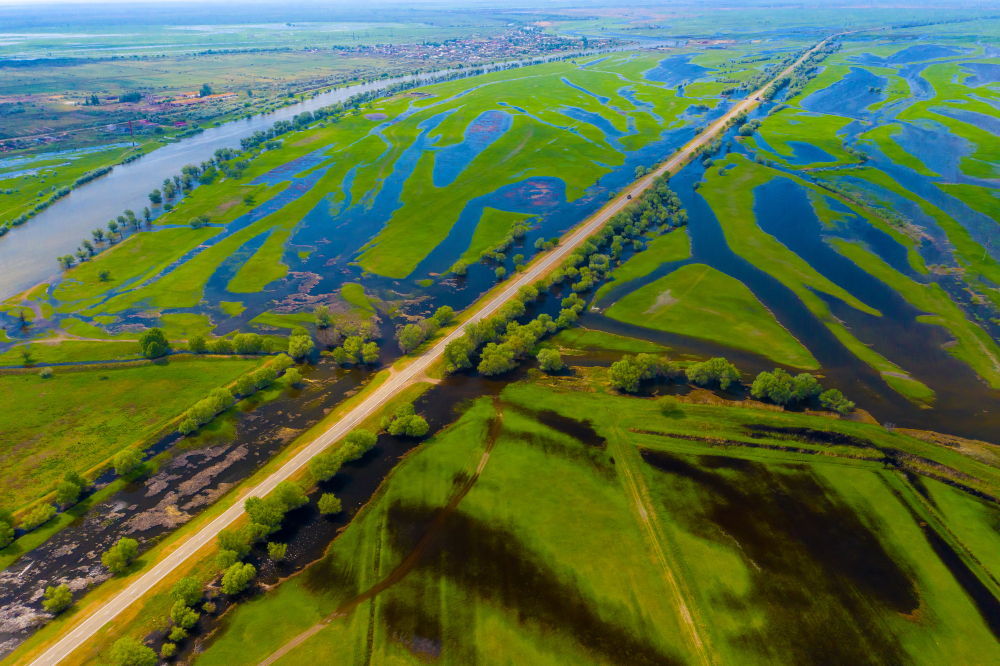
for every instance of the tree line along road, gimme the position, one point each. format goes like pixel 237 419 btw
pixel 77 635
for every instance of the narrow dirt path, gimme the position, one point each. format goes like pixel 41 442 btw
pixel 404 567
pixel 626 458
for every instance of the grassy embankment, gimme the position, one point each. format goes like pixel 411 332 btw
pixel 574 567
pixel 701 302
pixel 731 197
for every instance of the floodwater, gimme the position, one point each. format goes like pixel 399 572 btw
pixel 676 70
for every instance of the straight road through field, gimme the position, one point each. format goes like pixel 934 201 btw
pixel 90 625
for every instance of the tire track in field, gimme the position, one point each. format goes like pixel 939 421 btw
pixel 638 493
pixel 404 567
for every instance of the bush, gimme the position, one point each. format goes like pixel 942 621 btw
pixel 183 616
pixel 248 343
pixel 128 651
pixel 300 345
pixel 38 516
pixel 713 370
pixel 549 360
pixel 67 493
pixel 835 400
pixel 277 551
pixel 444 315
pixel 325 465
pixel 168 650
pixel 456 354
pixel 178 634
pixel 497 359
pixel 57 599
pixel 208 607
pixel 203 411
pixel 153 343
pixel 627 373
pixel 119 556
pixel 226 559
pixel 197 344
pixel 293 376
pixel 781 388
pixel 329 503
pixel 410 338
pixel 6 528
pixel 667 405
pixel 237 578
pixel 187 590
pixel 127 460
pixel 408 426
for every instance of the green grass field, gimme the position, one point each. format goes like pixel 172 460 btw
pixel 77 419
pixel 673 246
pixel 614 538
pixel 699 301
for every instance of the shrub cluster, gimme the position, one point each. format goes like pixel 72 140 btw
pixel 412 336
pixel 713 370
pixel 405 422
pixel 119 556
pixel 781 388
pixel 203 411
pixel 356 444
pixel 626 374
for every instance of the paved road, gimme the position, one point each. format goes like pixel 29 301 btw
pixel 101 616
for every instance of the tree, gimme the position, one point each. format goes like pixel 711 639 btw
pixel 66 260
pixel 456 354
pixel 549 360
pixel 461 267
pixel 353 349
pixel 153 343
pixel 197 344
pixel 88 246
pixel 147 214
pixel 156 196
pixel 329 503
pixel 712 370
pixel 187 590
pixel 410 338
pixel 835 400
pixel 67 493
pixel 625 375
pixel 408 426
pixel 128 651
pixel 444 315
pixel 293 376
pixel 324 466
pixel 178 634
pixel 500 272
pixel 183 616
pixel 237 578
pixel 104 275
pixel 127 460
pixel 277 551
pixel 119 556
pixel 112 228
pixel 782 388
pixel 168 650
pixel 300 346
pixel 6 528
pixel 38 516
pixel 323 317
pixel 369 353
pixel 57 599
pixel 497 359
pixel 205 91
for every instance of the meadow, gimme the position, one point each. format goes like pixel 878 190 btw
pixel 80 417
pixel 634 531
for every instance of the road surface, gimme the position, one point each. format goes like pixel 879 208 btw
pixel 89 626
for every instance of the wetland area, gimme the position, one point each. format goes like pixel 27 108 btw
pixel 537 492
